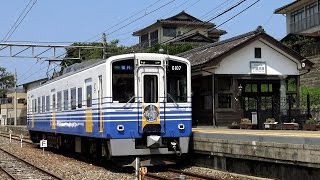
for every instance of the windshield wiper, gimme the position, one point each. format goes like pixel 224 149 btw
pixel 169 95
pixel 129 101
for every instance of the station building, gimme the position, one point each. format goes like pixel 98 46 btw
pixel 247 76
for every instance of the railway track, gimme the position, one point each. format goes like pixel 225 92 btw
pixel 17 168
pixel 177 174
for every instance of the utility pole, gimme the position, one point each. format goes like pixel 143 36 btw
pixel 15 98
pixel 104 44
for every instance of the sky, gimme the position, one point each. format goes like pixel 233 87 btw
pixel 67 21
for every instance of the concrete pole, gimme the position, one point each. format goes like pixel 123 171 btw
pixel 15 98
pixel 104 44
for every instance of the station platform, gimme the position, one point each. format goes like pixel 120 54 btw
pixel 279 154
pixel 281 146
pixel 275 136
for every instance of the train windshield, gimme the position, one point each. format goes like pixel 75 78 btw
pixel 123 80
pixel 176 81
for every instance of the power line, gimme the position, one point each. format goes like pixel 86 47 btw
pixel 15 28
pixel 16 20
pixel 125 20
pixel 220 14
pixel 139 18
pixel 239 13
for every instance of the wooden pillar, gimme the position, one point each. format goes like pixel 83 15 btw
pixel 213 102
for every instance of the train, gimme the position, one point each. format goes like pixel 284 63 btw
pixel 123 107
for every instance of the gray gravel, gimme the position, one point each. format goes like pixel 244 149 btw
pixel 70 168
pixel 65 167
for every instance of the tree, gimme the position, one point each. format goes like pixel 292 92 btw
pixel 172 49
pixel 6 81
pixel 113 48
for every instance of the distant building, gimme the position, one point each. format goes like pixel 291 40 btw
pixel 8 108
pixel 303 35
pixel 302 16
pixel 179 28
pixel 246 76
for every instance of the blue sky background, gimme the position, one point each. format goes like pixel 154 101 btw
pixel 78 21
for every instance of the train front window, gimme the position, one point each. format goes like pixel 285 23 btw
pixel 176 82
pixel 150 84
pixel 123 81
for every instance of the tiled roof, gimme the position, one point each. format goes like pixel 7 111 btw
pixel 213 53
pixel 206 53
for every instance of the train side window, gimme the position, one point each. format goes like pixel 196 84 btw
pixel 73 98
pixel 53 102
pixel 79 97
pixel 39 107
pixel 65 100
pixel 47 103
pixel 123 81
pixel 59 99
pixel 34 105
pixel 43 104
pixel 89 96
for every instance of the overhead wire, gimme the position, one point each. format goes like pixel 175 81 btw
pixel 124 20
pixel 238 13
pixel 216 16
pixel 16 21
pixel 17 25
pixel 166 4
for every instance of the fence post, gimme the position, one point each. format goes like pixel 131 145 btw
pixel 308 105
pixel 289 114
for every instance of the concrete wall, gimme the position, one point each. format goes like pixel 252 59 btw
pixel 302 154
pixel 312 79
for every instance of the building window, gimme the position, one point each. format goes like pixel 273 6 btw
pixel 224 89
pixel 257 52
pixel 154 37
pixel 169 31
pixel 224 83
pixel 73 98
pixel 65 100
pixel 59 101
pixel 144 40
pixel 224 100
pixel 297 23
pixel 21 101
pixel 311 13
pixel 79 97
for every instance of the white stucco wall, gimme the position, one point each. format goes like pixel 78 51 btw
pixel 276 63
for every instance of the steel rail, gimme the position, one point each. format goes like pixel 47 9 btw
pixel 37 168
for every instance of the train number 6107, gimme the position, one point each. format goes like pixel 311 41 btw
pixel 176 68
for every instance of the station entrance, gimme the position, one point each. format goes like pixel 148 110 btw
pixel 260 98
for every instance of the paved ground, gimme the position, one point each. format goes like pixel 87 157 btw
pixel 277 136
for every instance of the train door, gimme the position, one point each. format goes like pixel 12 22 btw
pixel 100 102
pixel 151 89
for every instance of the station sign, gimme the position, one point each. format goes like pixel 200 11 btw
pixel 43 143
pixel 257 67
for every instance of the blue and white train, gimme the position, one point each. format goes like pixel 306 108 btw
pixel 125 106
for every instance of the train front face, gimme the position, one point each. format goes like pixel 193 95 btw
pixel 157 117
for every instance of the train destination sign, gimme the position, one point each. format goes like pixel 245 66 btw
pixel 150 62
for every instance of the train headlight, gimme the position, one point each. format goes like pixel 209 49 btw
pixel 120 128
pixel 181 126
pixel 151 113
